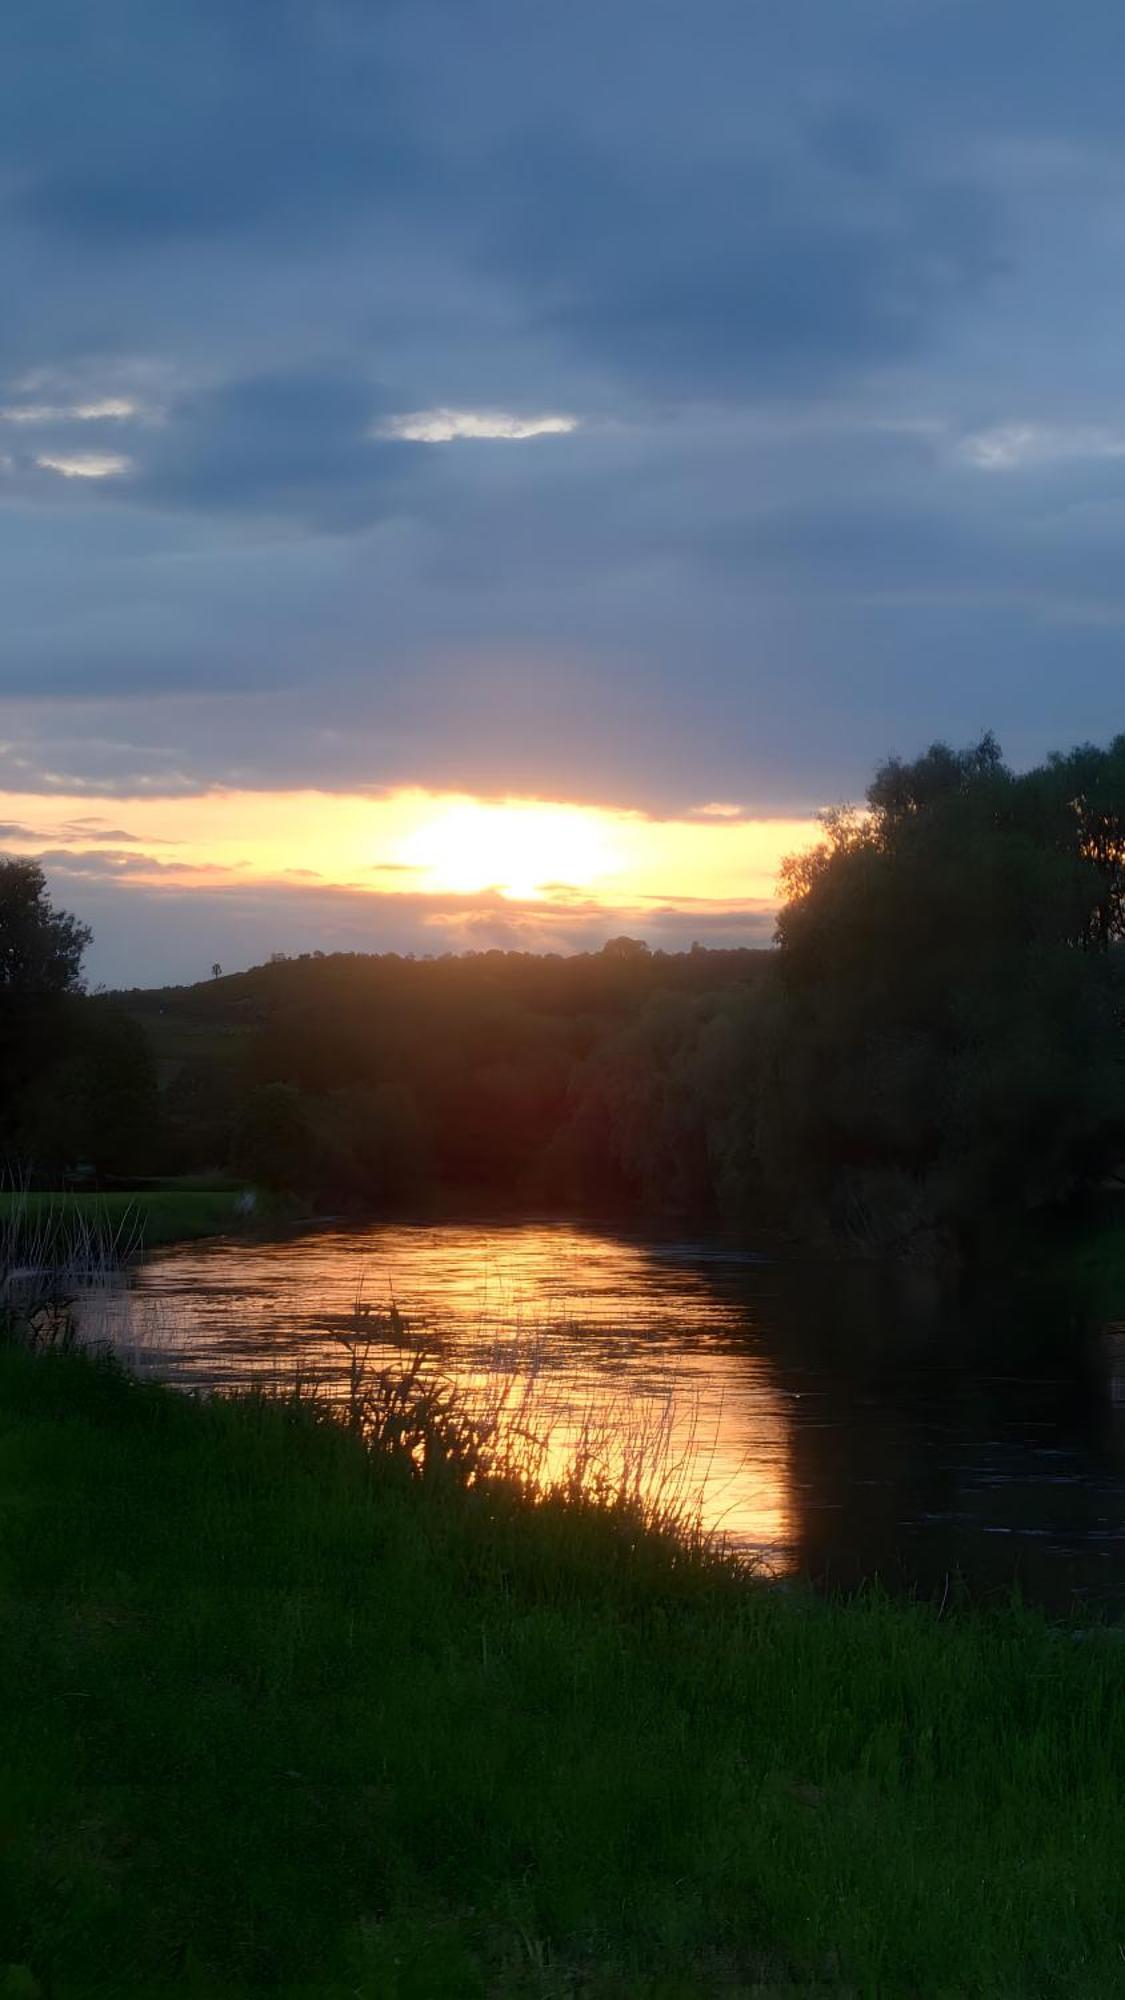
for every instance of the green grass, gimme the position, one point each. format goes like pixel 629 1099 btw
pixel 279 1718
pixel 1099 1262
pixel 151 1218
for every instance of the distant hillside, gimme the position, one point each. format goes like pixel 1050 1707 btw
pixel 215 1018
pixel 369 1077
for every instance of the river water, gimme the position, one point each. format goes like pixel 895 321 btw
pixel 837 1422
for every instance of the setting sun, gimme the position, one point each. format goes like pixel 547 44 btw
pixel 520 848
pixel 444 854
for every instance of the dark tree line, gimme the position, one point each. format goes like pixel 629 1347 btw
pixel 493 1078
pixel 935 1048
pixel 77 1082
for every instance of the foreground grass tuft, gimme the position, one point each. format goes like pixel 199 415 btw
pixel 279 1717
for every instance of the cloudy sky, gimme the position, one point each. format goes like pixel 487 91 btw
pixel 657 411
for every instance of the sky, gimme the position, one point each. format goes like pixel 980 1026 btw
pixel 481 472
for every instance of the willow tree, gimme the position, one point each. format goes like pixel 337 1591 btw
pixel 947 1044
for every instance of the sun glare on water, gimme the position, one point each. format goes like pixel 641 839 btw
pixel 521 850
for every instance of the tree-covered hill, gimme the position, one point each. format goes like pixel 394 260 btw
pixel 499 1076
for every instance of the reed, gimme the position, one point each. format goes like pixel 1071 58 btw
pixel 501 1420
pixel 52 1258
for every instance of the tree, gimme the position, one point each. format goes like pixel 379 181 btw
pixel 1084 793
pixel 947 1043
pixel 95 1099
pixel 41 948
pixel 628 948
pixel 272 1140
pixel 40 971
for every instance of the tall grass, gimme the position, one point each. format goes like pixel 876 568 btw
pixel 51 1258
pixel 375 1688
pixel 500 1422
pixel 286 1712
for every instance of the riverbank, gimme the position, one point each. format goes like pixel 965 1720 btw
pixel 146 1220
pixel 283 1717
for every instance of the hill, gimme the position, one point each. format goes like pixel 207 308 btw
pixel 511 1076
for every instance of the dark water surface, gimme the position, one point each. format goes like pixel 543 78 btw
pixel 839 1421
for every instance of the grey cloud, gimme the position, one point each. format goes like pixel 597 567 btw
pixel 96 830
pixel 71 830
pixel 101 864
pixel 731 277
pixel 190 120
pixel 297 443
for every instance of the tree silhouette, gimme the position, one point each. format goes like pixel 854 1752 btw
pixel 41 948
pixel 946 1043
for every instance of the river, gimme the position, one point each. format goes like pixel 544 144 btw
pixel 840 1423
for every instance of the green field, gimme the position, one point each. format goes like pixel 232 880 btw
pixel 279 1717
pixel 143 1220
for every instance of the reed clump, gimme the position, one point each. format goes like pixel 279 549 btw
pixel 54 1257
pixel 502 1421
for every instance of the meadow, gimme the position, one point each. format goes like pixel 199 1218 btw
pixel 284 1716
pixel 142 1220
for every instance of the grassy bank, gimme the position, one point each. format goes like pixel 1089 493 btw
pixel 279 1717
pixel 1099 1260
pixel 149 1219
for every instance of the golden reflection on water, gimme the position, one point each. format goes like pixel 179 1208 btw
pixel 621 1349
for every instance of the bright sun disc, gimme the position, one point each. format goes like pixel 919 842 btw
pixel 523 851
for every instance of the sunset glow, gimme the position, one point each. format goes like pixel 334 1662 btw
pixel 520 848
pixel 431 847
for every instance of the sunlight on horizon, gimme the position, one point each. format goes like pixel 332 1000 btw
pixel 412 842
pixel 523 849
